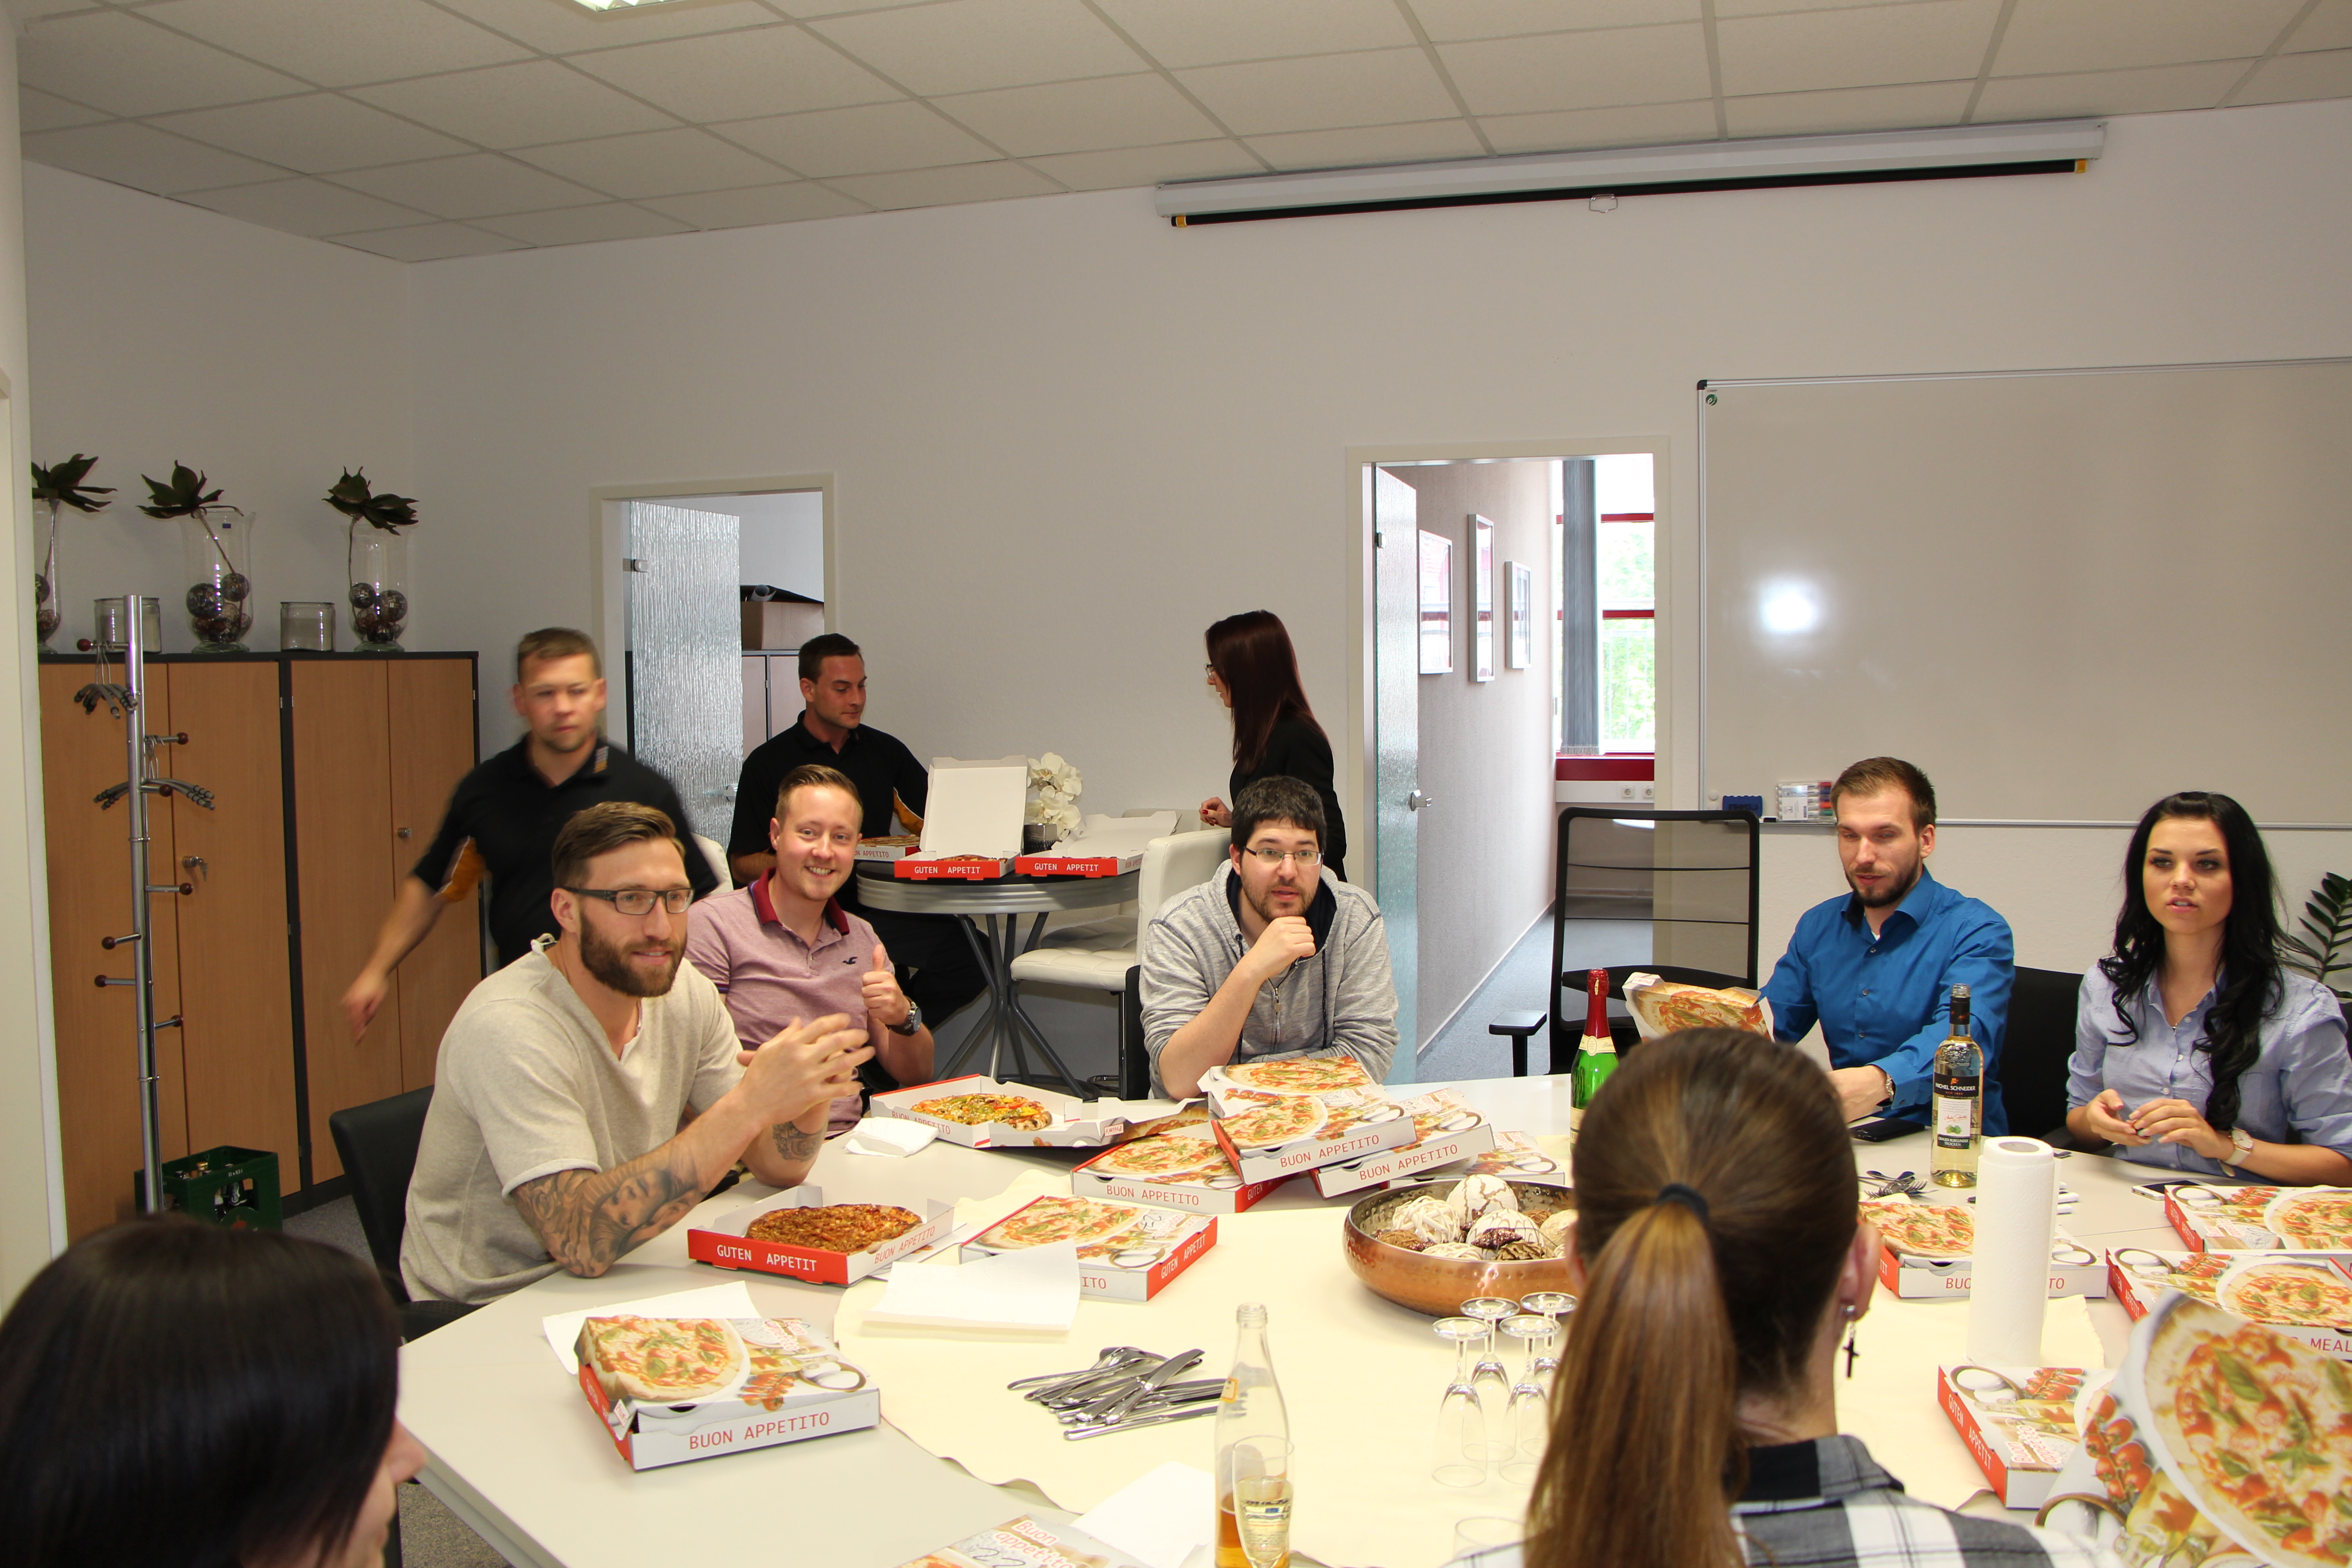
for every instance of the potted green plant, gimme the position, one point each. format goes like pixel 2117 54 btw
pixel 2325 948
pixel 378 559
pixel 55 489
pixel 219 550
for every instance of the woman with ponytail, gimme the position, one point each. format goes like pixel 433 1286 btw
pixel 2193 1048
pixel 1719 1261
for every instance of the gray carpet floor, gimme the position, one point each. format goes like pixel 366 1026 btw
pixel 1464 1049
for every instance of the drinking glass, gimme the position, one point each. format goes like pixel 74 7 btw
pixel 1484 1534
pixel 1552 1306
pixel 1459 1458
pixel 1488 1377
pixel 1529 1414
pixel 1262 1499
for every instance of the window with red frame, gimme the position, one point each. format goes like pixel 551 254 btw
pixel 1625 552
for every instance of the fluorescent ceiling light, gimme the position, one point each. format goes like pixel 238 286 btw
pixel 2060 146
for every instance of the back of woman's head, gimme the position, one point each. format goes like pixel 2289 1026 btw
pixel 176 1394
pixel 1252 654
pixel 1714 1290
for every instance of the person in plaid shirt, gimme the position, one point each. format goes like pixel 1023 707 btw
pixel 1718 1262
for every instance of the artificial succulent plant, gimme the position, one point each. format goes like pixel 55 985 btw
pixel 352 498
pixel 62 483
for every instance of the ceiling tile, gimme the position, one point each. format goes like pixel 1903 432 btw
pixel 2152 89
pixel 1640 125
pixel 428 242
pixel 2328 28
pixel 738 76
pixel 2291 78
pixel 113 60
pixel 877 137
pixel 148 159
pixel 968 45
pixel 1368 144
pixel 31 10
pixel 1324 94
pixel 945 187
pixel 1148 166
pixel 1451 21
pixel 318 133
pixel 1849 108
pixel 44 112
pixel 1094 115
pixel 2047 36
pixel 337 43
pixel 585 225
pixel 655 163
pixel 560 27
pixel 475 185
pixel 1781 7
pixel 516 106
pixel 759 204
pixel 1215 32
pixel 303 206
pixel 1580 71
pixel 1875 45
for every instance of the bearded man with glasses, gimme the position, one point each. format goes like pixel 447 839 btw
pixel 1269 957
pixel 589 1094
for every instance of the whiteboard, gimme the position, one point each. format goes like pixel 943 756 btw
pixel 2062 594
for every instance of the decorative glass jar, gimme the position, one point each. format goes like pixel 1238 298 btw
pixel 45 599
pixel 220 593
pixel 379 577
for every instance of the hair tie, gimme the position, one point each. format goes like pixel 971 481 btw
pixel 1675 1192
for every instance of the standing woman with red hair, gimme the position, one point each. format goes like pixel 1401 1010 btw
pixel 1254 671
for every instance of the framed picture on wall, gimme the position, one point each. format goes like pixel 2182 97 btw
pixel 1437 604
pixel 1482 598
pixel 1523 617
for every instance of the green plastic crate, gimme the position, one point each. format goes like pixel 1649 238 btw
pixel 227 1186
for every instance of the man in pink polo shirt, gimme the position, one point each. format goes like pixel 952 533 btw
pixel 783 949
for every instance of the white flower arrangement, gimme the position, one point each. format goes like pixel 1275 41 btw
pixel 1053 801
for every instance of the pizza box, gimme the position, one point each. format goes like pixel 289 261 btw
pixel 1296 1114
pixel 1024 1544
pixel 1206 1182
pixel 1056 865
pixel 787 1383
pixel 726 1243
pixel 1101 846
pixel 1515 1157
pixel 889 847
pixel 1127 1252
pixel 1233 1086
pixel 1450 1132
pixel 948 867
pixel 2259 1219
pixel 1075 1124
pixel 2019 1421
pixel 2139 1279
pixel 2074 1270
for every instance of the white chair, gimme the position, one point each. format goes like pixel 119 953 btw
pixel 717 855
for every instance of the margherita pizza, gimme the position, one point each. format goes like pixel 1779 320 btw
pixel 834 1228
pixel 663 1359
pixel 1301 1074
pixel 1278 1119
pixel 1158 1157
pixel 1924 1230
pixel 1052 1219
pixel 978 1109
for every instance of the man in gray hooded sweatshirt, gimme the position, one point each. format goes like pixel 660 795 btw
pixel 1267 958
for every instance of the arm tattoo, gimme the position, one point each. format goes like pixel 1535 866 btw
pixel 794 1144
pixel 587 1219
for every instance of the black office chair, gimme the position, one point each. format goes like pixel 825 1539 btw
pixel 2034 1051
pixel 377 1143
pixel 1134 1061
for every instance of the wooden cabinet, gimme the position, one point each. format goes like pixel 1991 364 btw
pixel 328 773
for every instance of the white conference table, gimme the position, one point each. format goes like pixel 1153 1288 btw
pixel 516 1455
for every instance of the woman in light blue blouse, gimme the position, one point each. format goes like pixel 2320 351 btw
pixel 2193 1048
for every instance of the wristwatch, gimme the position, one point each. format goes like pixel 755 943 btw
pixel 2240 1145
pixel 911 1023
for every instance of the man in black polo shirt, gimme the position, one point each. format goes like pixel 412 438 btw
pixel 505 815
pixel 934 961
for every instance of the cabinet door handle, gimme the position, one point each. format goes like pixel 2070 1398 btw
pixel 399 832
pixel 196 863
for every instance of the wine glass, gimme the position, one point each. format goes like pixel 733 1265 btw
pixel 1459 1458
pixel 1552 1306
pixel 1487 1377
pixel 1528 1416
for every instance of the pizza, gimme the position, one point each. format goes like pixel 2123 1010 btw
pixel 1158 1157
pixel 2258 1428
pixel 664 1361
pixel 978 1109
pixel 2315 1221
pixel 834 1228
pixel 1301 1074
pixel 1275 1119
pixel 2311 1295
pixel 1669 1005
pixel 1922 1230
pixel 1052 1219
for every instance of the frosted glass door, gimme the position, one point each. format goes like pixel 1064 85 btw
pixel 685 637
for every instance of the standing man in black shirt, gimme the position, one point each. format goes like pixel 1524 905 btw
pixel 935 963
pixel 505 815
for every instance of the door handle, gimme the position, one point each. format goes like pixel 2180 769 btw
pixel 196 863
pixel 400 832
pixel 1417 801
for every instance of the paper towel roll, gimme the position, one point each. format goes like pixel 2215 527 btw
pixel 2017 1209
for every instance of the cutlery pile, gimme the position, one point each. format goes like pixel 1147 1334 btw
pixel 1125 1387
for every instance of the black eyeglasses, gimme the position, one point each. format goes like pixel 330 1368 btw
pixel 637 902
pixel 1307 858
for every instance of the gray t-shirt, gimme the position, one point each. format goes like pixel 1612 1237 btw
pixel 526 1086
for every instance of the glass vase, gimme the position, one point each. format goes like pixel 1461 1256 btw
pixel 379 578
pixel 46 598
pixel 220 593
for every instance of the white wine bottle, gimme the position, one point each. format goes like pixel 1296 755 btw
pixel 1252 1454
pixel 1958 1123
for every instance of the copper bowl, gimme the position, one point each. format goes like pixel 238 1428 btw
pixel 1438 1286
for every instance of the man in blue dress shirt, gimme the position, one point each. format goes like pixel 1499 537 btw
pixel 1876 968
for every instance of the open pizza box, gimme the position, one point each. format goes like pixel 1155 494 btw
pixel 1285 1116
pixel 1516 1157
pixel 2021 1422
pixel 727 1242
pixel 1071 1122
pixel 1127 1252
pixel 672 1389
pixel 1661 1006
pixel 1024 1544
pixel 1177 1165
pixel 2302 1295
pixel 1103 846
pixel 972 820
pixel 1924 1251
pixel 2221 1218
pixel 889 847
pixel 1448 1134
